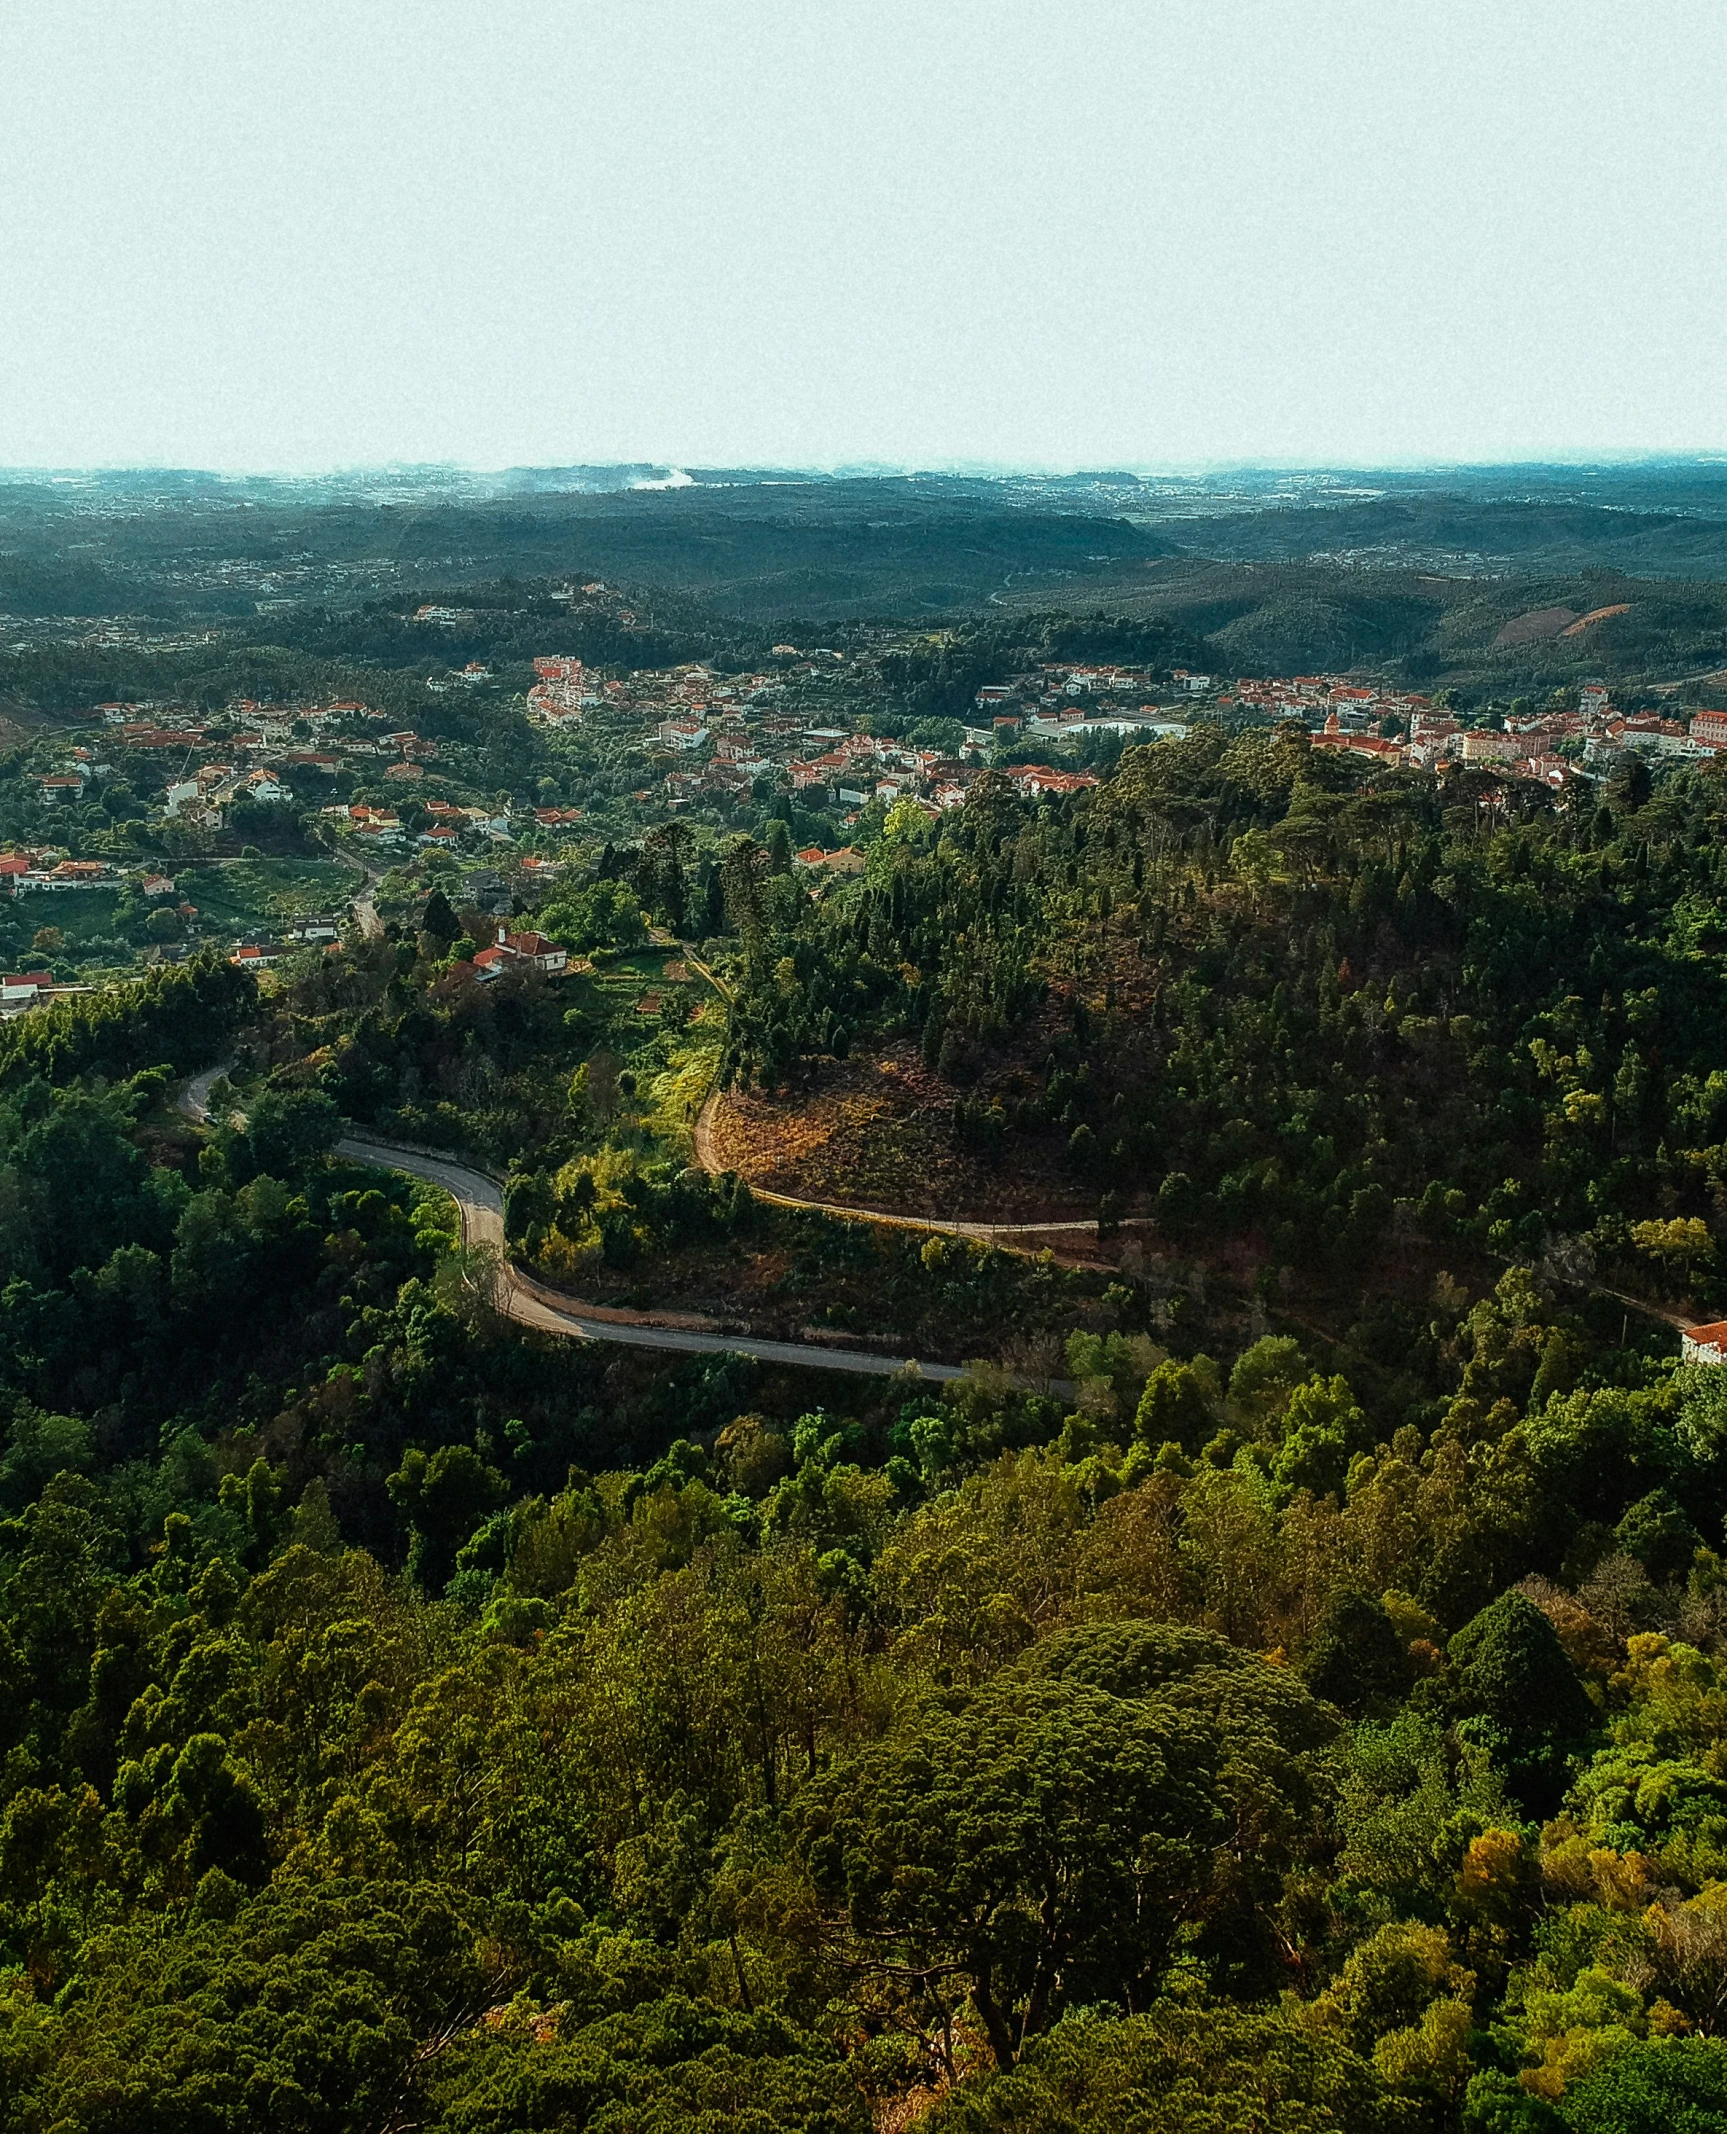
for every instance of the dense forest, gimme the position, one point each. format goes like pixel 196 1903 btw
pixel 1311 1713
pixel 1239 983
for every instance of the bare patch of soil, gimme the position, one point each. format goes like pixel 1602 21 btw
pixel 1595 615
pixel 877 1132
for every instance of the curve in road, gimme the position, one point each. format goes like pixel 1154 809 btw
pixel 193 1099
pixel 530 1303
pixel 481 1204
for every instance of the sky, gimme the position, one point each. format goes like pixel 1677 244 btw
pixel 1038 233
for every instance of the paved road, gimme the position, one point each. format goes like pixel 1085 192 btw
pixel 1002 1234
pixel 366 910
pixel 530 1303
pixel 194 1097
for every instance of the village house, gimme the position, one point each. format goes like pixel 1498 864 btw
pixel 262 786
pixel 23 989
pixel 1697 1344
pixel 523 951
pixel 847 860
pixel 481 882
pixel 1037 779
pixel 72 874
pixel 1550 770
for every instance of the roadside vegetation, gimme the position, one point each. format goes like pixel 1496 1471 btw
pixel 1280 1685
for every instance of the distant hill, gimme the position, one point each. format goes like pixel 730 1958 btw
pixel 1495 578
pixel 1494 533
pixel 1509 635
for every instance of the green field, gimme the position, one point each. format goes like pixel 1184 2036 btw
pixel 618 988
pixel 673 1067
pixel 81 915
pixel 248 895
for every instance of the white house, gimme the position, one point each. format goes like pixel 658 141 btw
pixel 533 951
pixel 1704 1344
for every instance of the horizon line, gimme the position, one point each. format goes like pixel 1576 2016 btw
pixel 664 474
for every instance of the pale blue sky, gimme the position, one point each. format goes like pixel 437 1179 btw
pixel 300 235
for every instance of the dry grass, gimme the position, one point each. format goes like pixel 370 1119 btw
pixel 1595 615
pixel 876 1132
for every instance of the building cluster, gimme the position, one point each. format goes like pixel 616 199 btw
pixel 447 825
pixel 43 868
pixel 165 726
pixel 561 690
pixel 1551 747
pixel 1058 686
pixel 718 738
pixel 253 754
pixel 40 870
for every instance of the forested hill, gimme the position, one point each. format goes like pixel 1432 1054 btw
pixel 1305 1710
pixel 1240 988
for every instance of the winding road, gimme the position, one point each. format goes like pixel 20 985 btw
pixel 530 1303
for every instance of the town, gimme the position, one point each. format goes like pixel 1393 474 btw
pixel 141 801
